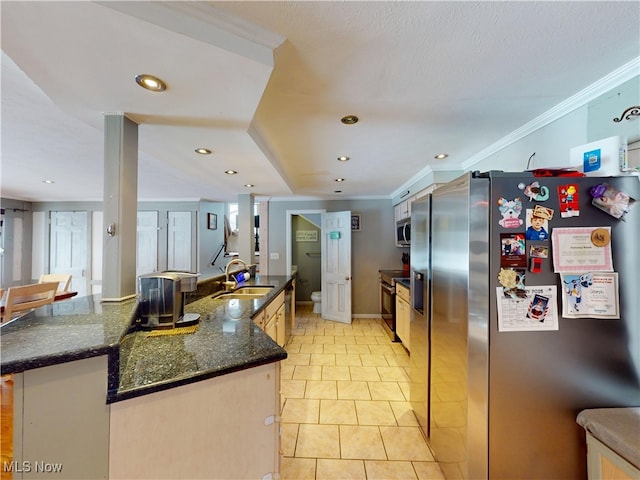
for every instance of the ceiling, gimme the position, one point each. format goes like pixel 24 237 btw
pixel 264 85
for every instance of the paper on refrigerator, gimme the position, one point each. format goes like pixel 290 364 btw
pixel 535 310
pixel 590 295
pixel 582 249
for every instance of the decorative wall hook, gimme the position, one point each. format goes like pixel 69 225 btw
pixel 628 113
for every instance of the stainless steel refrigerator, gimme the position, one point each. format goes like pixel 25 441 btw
pixel 497 401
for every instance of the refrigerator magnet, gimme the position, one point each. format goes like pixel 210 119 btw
pixel 535 191
pixel 539 251
pixel 512 250
pixel 535 265
pixel 512 281
pixel 538 223
pixel 568 199
pixel 510 211
pixel 612 201
pixel 600 237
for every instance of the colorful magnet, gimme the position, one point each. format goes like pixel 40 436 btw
pixel 512 281
pixel 535 191
pixel 535 265
pixel 512 253
pixel 600 237
pixel 539 251
pixel 608 199
pixel 510 211
pixel 568 198
pixel 537 225
pixel 538 308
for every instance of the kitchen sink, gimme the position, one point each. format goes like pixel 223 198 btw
pixel 253 290
pixel 245 293
pixel 239 296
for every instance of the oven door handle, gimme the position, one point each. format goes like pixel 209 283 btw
pixel 388 288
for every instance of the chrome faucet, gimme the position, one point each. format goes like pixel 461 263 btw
pixel 227 282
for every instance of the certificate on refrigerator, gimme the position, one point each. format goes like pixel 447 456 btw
pixel 582 249
pixel 590 295
pixel 536 310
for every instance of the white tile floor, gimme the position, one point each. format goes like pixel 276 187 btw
pixel 345 405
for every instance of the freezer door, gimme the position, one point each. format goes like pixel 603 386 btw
pixel 419 334
pixel 458 216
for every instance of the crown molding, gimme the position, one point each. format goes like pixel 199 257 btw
pixel 580 99
pixel 204 22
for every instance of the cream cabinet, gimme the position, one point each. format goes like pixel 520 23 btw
pixel 402 210
pixel 403 314
pixel 224 427
pixel 273 320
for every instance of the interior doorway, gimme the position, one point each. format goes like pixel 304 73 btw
pixel 303 239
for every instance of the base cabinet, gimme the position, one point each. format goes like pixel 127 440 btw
pixel 403 315
pixel 61 422
pixel 225 427
pixel 273 320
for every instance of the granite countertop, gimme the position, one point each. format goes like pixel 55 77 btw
pixel 73 329
pixel 404 281
pixel 227 340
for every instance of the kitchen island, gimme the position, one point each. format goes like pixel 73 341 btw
pixel 106 400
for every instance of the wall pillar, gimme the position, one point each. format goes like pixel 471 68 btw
pixel 120 207
pixel 246 232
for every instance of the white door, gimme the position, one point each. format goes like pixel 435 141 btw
pixel 147 243
pixel 179 241
pixel 68 248
pixel 336 266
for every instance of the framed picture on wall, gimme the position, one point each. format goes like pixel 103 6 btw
pixel 212 221
pixel 355 222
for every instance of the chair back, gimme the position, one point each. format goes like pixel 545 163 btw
pixel 63 279
pixel 27 297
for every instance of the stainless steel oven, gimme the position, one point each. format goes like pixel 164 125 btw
pixel 388 300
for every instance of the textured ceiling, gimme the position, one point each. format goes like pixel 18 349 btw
pixel 264 84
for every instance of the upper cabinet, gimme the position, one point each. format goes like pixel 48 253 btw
pixel 403 209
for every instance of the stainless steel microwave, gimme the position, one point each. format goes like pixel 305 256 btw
pixel 403 232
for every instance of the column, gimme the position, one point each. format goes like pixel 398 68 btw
pixel 120 207
pixel 246 238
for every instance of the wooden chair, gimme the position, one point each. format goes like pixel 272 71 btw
pixel 63 279
pixel 27 297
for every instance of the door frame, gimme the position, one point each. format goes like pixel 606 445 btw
pixel 290 214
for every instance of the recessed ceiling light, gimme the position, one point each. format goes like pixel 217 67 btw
pixel 203 151
pixel 230 172
pixel 339 179
pixel 151 83
pixel 343 158
pixel 440 156
pixel 249 185
pixel 349 119
pixel 48 181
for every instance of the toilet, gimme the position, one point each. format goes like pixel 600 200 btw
pixel 316 298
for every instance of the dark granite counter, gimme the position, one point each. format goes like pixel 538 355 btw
pixel 73 329
pixel 227 340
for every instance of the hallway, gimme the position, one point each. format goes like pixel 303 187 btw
pixel 346 414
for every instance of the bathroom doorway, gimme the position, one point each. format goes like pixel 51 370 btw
pixel 304 234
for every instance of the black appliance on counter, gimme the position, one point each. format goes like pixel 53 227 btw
pixel 162 299
pixel 388 279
